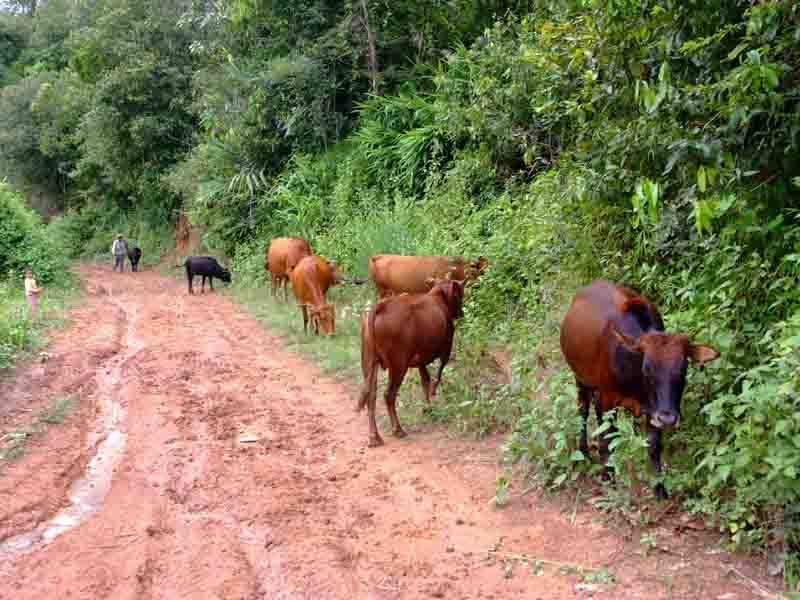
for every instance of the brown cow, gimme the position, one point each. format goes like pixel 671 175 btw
pixel 282 256
pixel 395 274
pixel 614 341
pixel 410 330
pixel 311 279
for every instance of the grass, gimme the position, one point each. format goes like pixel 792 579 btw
pixel 19 335
pixel 14 441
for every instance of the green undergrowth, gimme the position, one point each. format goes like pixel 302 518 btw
pixel 25 242
pixel 20 335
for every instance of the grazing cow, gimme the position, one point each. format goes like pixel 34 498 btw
pixel 134 254
pixel 614 341
pixel 283 255
pixel 395 274
pixel 205 266
pixel 311 279
pixel 406 331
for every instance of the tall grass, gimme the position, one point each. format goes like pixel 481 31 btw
pixel 19 334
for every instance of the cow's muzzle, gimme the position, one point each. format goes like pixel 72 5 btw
pixel 665 419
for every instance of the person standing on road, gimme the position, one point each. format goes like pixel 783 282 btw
pixel 120 250
pixel 32 291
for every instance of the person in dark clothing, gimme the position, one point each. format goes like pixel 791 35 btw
pixel 120 250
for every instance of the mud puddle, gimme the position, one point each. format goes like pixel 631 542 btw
pixel 106 443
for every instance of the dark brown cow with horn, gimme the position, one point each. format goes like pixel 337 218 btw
pixel 614 341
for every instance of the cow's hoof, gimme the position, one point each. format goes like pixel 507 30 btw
pixel 374 442
pixel 661 492
pixel 399 433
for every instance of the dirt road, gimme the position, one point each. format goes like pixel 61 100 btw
pixel 176 505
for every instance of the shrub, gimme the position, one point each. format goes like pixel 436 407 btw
pixel 24 242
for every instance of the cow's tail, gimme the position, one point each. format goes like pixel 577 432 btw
pixel 369 361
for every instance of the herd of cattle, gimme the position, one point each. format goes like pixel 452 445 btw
pixel 612 337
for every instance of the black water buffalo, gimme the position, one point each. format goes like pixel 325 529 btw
pixel 205 266
pixel 134 254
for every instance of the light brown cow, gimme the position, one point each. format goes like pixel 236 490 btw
pixel 311 279
pixel 396 274
pixel 409 330
pixel 282 255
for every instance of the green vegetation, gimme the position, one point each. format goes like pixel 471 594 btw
pixel 647 141
pixel 25 242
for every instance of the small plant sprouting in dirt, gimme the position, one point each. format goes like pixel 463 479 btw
pixel 14 442
pixel 601 575
pixel 502 485
pixel 58 411
pixel 668 582
pixel 648 541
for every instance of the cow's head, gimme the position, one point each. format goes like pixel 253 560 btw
pixel 323 317
pixel 225 275
pixel 664 359
pixel 451 291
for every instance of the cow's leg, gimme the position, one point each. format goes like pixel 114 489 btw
pixel 605 440
pixel 425 378
pixel 444 358
pixel 190 277
pixel 304 310
pixel 370 389
pixel 396 376
pixel 654 451
pixel 211 283
pixel 584 402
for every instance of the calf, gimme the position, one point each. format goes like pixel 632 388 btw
pixel 311 279
pixel 134 254
pixel 283 255
pixel 205 266
pixel 410 330
pixel 614 341
pixel 395 274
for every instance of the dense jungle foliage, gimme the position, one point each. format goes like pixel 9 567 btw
pixel 655 142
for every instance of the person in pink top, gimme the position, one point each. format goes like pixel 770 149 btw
pixel 32 291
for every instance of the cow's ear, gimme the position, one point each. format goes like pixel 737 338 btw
pixel 629 343
pixel 702 354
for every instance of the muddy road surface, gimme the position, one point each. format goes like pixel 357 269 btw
pixel 202 460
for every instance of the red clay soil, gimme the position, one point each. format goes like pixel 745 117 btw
pixel 306 510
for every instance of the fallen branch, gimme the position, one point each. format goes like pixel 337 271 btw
pixel 760 589
pixel 525 558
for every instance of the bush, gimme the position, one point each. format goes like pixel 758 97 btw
pixel 25 243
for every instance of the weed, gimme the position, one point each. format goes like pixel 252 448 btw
pixel 648 541
pixel 14 441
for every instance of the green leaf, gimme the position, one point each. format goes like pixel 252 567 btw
pixel 577 456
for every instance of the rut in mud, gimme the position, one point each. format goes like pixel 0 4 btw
pixel 174 382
